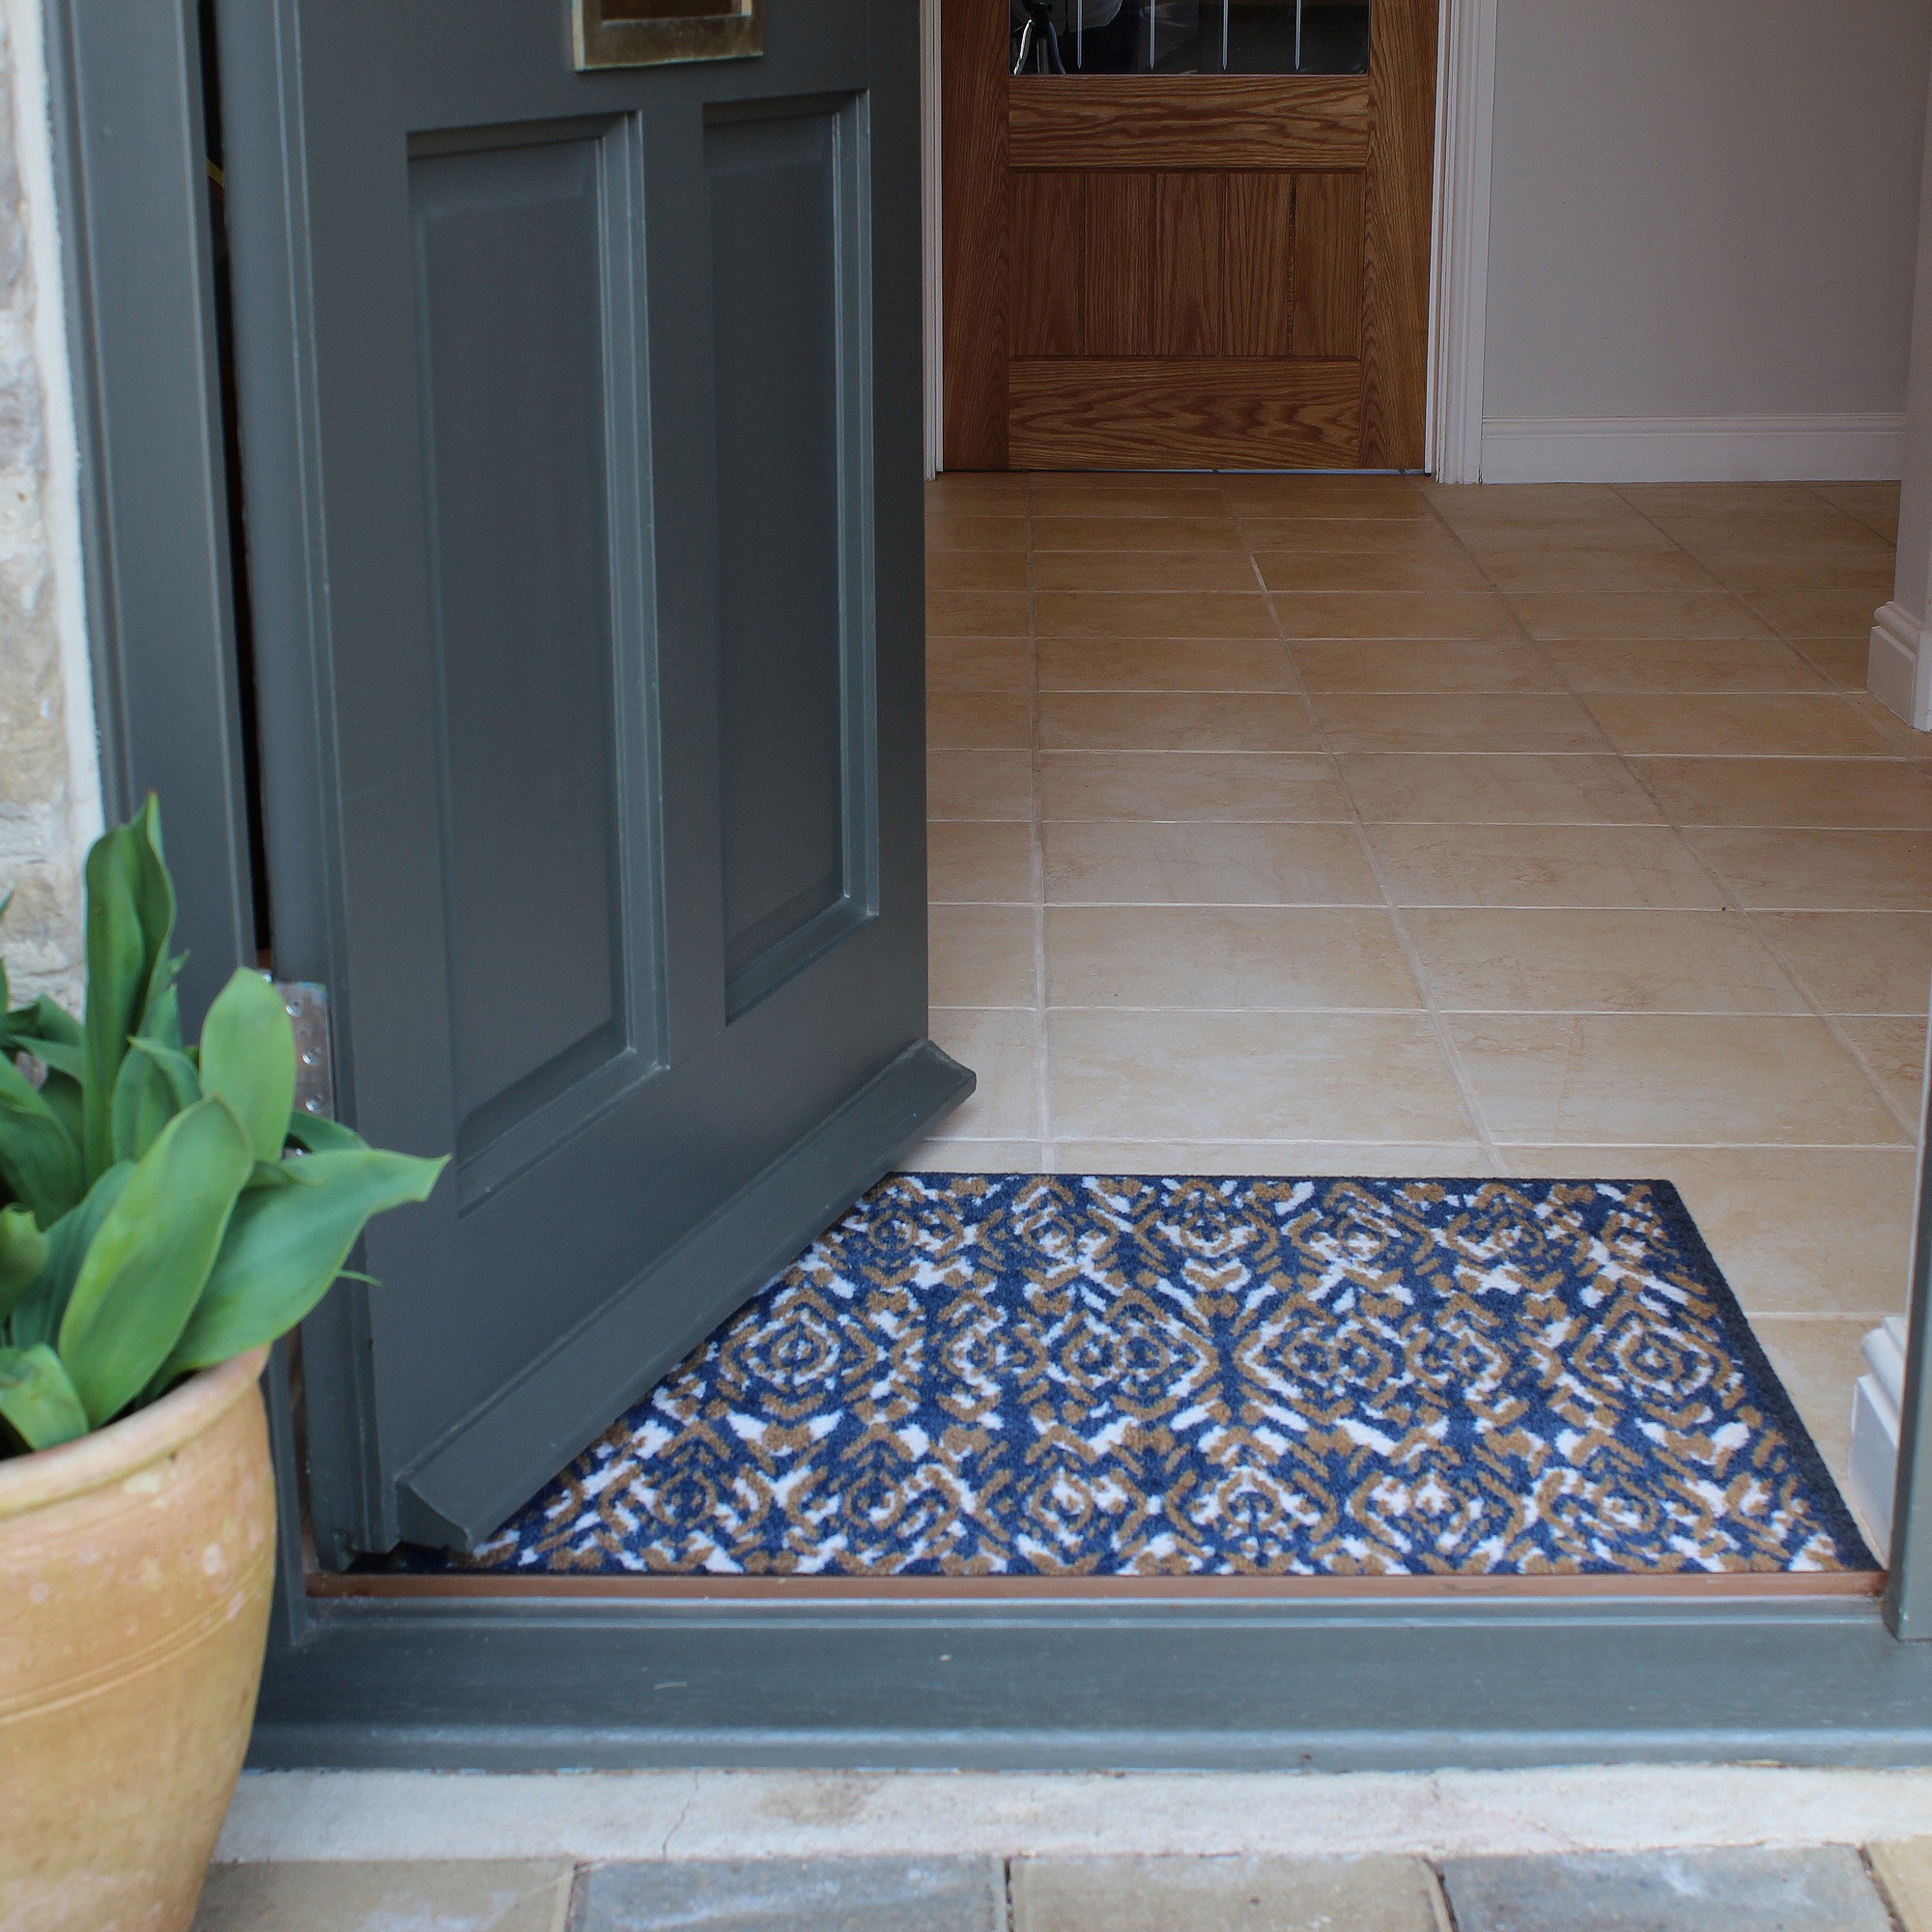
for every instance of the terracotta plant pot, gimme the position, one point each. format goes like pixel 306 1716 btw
pixel 136 1567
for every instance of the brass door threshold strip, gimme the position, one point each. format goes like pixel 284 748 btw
pixel 1702 1586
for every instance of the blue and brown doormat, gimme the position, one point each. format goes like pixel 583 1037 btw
pixel 1104 1376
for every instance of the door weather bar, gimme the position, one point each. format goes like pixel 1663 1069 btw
pixel 1297 36
pixel 1227 8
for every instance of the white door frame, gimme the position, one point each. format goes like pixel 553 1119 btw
pixel 1459 264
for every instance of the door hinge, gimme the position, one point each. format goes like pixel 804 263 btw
pixel 307 1004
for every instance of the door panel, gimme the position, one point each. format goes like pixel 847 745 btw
pixel 581 436
pixel 1224 269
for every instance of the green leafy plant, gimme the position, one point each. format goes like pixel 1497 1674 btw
pixel 162 1207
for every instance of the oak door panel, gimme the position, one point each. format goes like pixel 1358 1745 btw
pixel 1210 122
pixel 1327 316
pixel 1117 263
pixel 1164 413
pixel 1048 227
pixel 1190 251
pixel 1259 266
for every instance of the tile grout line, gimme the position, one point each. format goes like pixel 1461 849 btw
pixel 1465 1088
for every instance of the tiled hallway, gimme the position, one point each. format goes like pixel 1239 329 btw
pixel 1355 825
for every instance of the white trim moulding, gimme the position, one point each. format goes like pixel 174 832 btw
pixel 1459 296
pixel 1693 449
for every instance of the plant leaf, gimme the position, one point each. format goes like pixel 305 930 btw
pixel 41 1162
pixel 149 1262
pixel 155 1084
pixel 47 1023
pixel 38 1399
pixel 155 909
pixel 317 1133
pixel 38 1318
pixel 116 975
pixel 23 1254
pixel 249 1059
pixel 285 1246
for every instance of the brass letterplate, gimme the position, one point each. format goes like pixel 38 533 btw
pixel 643 33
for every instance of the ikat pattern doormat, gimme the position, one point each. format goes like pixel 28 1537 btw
pixel 1108 1376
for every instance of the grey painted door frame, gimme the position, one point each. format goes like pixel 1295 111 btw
pixel 1038 1680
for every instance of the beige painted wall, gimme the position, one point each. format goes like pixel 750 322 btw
pixel 49 790
pixel 1704 208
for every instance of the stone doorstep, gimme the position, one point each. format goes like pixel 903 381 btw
pixel 1822 1888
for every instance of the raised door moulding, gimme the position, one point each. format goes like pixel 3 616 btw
pixel 1465 121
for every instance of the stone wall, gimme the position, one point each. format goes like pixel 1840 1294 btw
pixel 49 791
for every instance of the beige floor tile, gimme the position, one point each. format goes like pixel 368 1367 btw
pixel 948 529
pixel 1864 566
pixel 1107 615
pixel 1819 1361
pixel 1277 958
pixel 1611 617
pixel 1872 871
pixel 1718 532
pixel 1394 614
pixel 1655 1079
pixel 1103 863
pixel 1864 500
pixel 1843 792
pixel 1325 497
pixel 979 785
pixel 1797 1231
pixel 1369 570
pixel 1686 664
pixel 1627 534
pixel 1904 1868
pixel 1139 572
pixel 1418 1160
pixel 978 614
pixel 1251 1076
pixel 1384 537
pixel 1457 721
pixel 941 1155
pixel 981 955
pixel 1197 664
pixel 1894 1049
pixel 955 570
pixel 1051 532
pixel 1555 568
pixel 1843 661
pixel 977 864
pixel 977 487
pixel 1543 507
pixel 1820 613
pixel 1440 664
pixel 1184 721
pixel 1128 497
pixel 1905 740
pixel 1246 785
pixel 1857 962
pixel 1224 1894
pixel 1557 960
pixel 979 664
pixel 1666 501
pixel 1724 724
pixel 1561 790
pixel 1002 1047
pixel 1541 866
pixel 345 1896
pixel 978 721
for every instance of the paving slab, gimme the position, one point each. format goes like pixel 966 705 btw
pixel 390 1896
pixel 795 1895
pixel 1824 1889
pixel 1904 1868
pixel 1229 1894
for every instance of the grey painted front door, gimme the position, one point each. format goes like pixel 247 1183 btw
pixel 581 454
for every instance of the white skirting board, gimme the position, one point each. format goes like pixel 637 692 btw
pixel 1693 449
pixel 1874 1459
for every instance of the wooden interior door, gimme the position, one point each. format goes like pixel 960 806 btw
pixel 1171 269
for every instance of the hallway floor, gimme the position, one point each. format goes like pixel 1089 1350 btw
pixel 1340 824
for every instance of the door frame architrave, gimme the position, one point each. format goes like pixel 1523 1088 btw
pixel 503 1684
